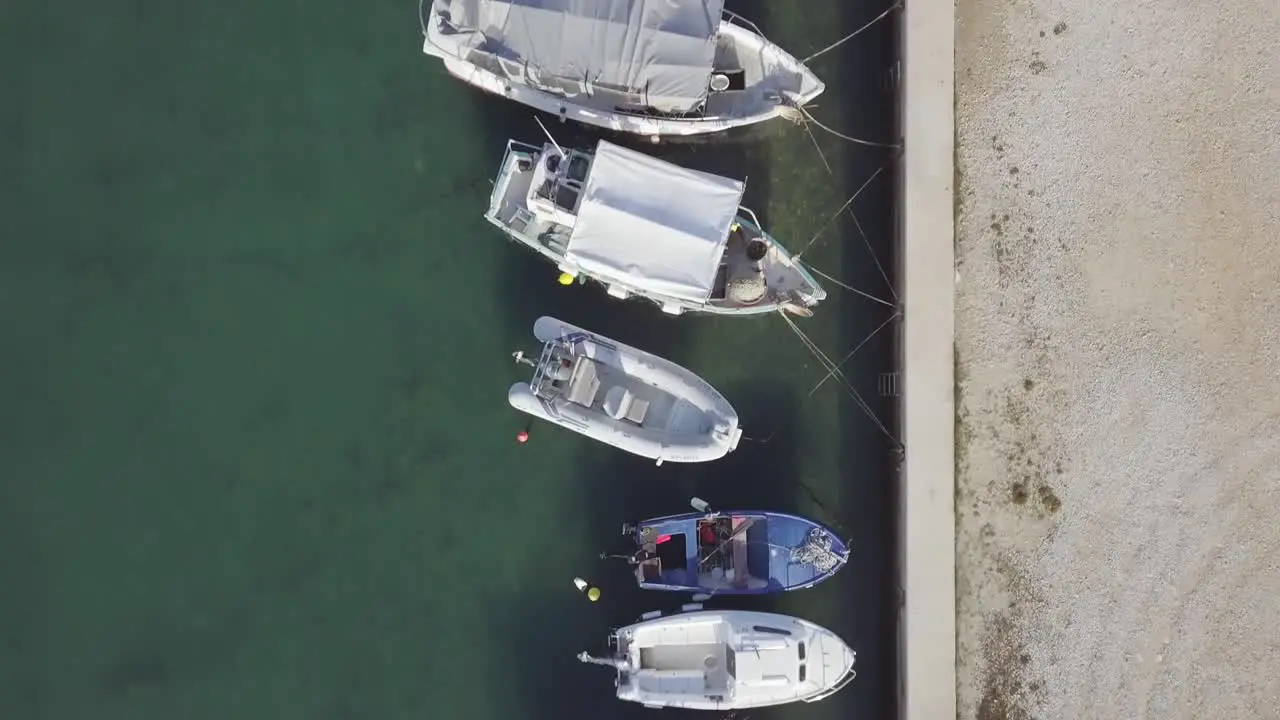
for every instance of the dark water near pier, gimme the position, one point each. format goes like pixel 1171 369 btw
pixel 255 455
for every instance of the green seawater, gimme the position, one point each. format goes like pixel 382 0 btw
pixel 256 459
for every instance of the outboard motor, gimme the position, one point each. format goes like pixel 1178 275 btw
pixel 756 250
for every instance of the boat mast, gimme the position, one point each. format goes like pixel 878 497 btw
pixel 547 132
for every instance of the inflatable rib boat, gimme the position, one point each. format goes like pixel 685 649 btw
pixel 628 398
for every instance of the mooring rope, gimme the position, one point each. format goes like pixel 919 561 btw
pixel 853 34
pixel 852 289
pixel 832 219
pixel 807 117
pixel 866 242
pixel 837 373
pixel 858 347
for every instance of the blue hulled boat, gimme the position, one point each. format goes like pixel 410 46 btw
pixel 741 552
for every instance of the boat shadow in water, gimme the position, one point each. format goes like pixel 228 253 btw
pixel 539 630
pixel 868 460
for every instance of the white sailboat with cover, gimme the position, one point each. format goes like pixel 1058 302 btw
pixel 651 67
pixel 647 228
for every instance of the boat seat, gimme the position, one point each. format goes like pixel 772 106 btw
pixel 584 383
pixel 621 404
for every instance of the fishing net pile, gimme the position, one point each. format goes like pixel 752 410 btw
pixel 816 551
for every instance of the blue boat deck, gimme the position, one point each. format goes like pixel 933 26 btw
pixel 742 552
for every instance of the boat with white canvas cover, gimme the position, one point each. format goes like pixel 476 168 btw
pixel 651 67
pixel 726 660
pixel 644 227
pixel 628 398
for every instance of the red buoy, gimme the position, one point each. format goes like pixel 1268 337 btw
pixel 522 436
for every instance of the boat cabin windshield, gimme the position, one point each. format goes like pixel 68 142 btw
pixel 563 373
pixel 722 551
pixel 558 179
pixel 661 558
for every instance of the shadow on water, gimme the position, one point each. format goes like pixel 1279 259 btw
pixel 868 460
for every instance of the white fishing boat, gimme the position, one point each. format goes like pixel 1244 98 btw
pixel 647 228
pixel 628 398
pixel 725 660
pixel 652 67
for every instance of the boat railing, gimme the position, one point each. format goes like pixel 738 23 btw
pixel 545 364
pixel 795 259
pixel 500 187
pixel 848 678
pixel 498 195
pixel 422 16
pixel 752 217
pixel 737 19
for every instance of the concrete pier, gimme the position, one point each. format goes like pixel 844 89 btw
pixel 927 627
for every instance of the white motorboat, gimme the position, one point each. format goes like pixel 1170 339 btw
pixel 628 398
pixel 644 227
pixel 652 67
pixel 726 660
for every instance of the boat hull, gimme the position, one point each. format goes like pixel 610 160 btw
pixel 800 293
pixel 652 659
pixel 770 555
pixel 671 378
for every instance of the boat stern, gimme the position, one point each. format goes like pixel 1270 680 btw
pixel 521 397
pixel 507 201
pixel 435 42
pixel 735 436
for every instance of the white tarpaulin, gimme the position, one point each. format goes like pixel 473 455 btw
pixel 659 49
pixel 653 225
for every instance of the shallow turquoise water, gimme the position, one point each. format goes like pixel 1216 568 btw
pixel 257 460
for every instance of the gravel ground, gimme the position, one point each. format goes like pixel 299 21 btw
pixel 1117 336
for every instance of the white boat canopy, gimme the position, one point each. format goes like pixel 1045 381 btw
pixel 655 226
pixel 661 50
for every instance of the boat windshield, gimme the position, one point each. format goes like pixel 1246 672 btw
pixel 562 373
pixel 559 180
